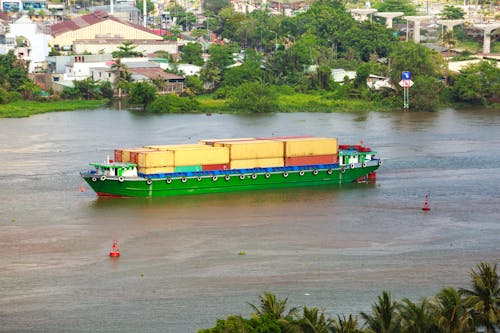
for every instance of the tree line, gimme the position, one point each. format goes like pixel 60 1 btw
pixel 451 310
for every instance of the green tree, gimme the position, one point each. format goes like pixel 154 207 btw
pixel 485 296
pixel 126 50
pixel 211 75
pixel 424 94
pixel 417 59
pixel 453 312
pixel 194 84
pixel 384 317
pixel 256 97
pixel 345 325
pixel 311 320
pixel 272 307
pixel 417 317
pixel 122 76
pixel 14 72
pixel 404 6
pixel 452 13
pixel 214 6
pixel 191 54
pixel 149 6
pixel 477 83
pixel 141 93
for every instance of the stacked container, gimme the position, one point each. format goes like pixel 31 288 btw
pixel 247 154
pixel 311 150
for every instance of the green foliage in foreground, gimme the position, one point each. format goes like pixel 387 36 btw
pixel 450 311
pixel 24 108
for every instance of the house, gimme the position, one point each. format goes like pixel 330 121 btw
pixel 34 47
pixel 98 26
pixel 377 82
pixel 340 75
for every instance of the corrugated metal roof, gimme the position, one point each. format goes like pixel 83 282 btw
pixel 91 19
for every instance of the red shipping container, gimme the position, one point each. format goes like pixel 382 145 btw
pixel 315 159
pixel 211 167
pixel 118 155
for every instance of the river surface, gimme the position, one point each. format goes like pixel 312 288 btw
pixel 187 261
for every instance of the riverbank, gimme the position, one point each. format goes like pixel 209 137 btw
pixel 21 109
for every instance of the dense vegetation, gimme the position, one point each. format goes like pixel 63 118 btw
pixel 299 52
pixel 286 65
pixel 451 310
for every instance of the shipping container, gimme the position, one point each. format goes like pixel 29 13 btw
pixel 170 147
pixel 188 168
pixel 201 155
pixel 152 171
pixel 118 155
pixel 310 146
pixel 243 150
pixel 211 167
pixel 308 160
pixel 257 163
pixel 211 142
pixel 155 158
pixel 128 155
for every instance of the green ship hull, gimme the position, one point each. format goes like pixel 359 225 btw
pixel 229 181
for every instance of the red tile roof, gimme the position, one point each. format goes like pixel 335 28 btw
pixel 91 19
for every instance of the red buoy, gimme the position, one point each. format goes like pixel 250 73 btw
pixel 115 251
pixel 82 188
pixel 426 207
pixel 372 176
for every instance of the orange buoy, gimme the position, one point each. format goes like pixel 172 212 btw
pixel 115 251
pixel 426 207
pixel 82 188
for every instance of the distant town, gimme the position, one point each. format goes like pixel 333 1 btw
pixel 166 43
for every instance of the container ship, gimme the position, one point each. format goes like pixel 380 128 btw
pixel 227 165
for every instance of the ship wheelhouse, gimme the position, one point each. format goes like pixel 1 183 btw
pixel 115 169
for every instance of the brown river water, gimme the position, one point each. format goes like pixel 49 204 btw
pixel 187 261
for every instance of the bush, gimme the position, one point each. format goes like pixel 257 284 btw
pixel 255 97
pixel 172 103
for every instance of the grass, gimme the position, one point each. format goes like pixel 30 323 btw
pixel 23 108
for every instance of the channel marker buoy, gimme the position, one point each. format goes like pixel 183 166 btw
pixel 426 207
pixel 115 251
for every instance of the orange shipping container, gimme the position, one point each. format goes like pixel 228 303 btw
pixel 257 163
pixel 155 158
pixel 246 150
pixel 202 155
pixel 307 160
pixel 128 156
pixel 310 146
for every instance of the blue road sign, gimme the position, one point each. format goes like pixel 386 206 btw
pixel 406 75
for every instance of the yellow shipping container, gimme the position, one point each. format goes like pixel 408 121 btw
pixel 126 153
pixel 310 146
pixel 152 171
pixel 257 163
pixel 170 147
pixel 201 155
pixel 246 150
pixel 155 158
pixel 211 142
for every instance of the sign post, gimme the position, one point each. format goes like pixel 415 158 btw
pixel 406 83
